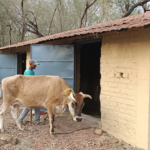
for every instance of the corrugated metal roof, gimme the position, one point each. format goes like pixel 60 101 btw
pixel 116 25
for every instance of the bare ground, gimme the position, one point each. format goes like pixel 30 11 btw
pixel 70 135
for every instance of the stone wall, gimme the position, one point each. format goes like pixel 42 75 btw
pixel 125 66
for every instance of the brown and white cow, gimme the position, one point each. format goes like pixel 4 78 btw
pixel 50 92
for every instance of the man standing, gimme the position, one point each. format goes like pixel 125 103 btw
pixel 29 72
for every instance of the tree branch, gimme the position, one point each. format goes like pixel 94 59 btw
pixel 133 7
pixel 60 18
pixel 50 25
pixel 85 11
pixel 23 20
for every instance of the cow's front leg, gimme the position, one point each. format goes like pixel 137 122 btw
pixel 51 123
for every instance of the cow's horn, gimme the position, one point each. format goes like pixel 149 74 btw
pixel 86 95
pixel 71 95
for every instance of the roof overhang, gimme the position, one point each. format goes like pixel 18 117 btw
pixel 95 31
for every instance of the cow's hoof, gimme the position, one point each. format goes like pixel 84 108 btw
pixel 22 129
pixel 52 135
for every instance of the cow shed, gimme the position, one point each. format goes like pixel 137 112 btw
pixel 110 61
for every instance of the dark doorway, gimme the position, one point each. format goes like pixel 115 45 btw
pixel 21 63
pixel 90 76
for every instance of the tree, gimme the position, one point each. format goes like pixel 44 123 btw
pixel 128 7
pixel 22 20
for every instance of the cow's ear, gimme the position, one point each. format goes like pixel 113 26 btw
pixel 71 97
pixel 65 94
pixel 68 91
pixel 85 95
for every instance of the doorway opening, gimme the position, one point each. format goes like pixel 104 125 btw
pixel 21 63
pixel 90 54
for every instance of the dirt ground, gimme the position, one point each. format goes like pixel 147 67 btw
pixel 70 135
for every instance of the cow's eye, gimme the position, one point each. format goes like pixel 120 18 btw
pixel 73 104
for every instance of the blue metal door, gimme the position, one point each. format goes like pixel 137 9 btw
pixel 55 60
pixel 8 65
